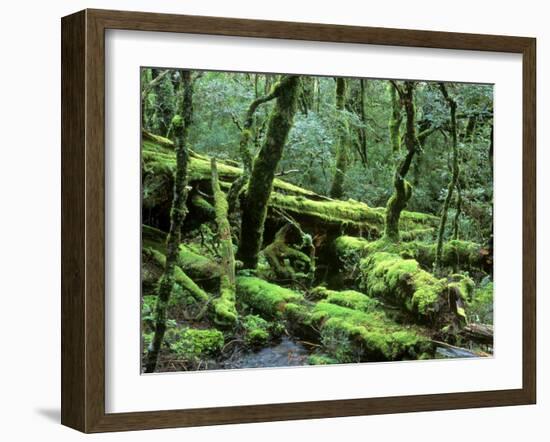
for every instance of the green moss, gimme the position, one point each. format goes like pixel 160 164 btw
pixel 332 211
pixel 321 359
pixel 153 265
pixel 269 300
pixel 256 330
pixel 225 313
pixel 345 298
pixel 159 164
pixel 351 336
pixel 203 207
pixel 152 237
pixel 196 265
pixel 401 280
pixel 194 344
pixel 463 254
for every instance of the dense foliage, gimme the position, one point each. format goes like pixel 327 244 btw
pixel 316 262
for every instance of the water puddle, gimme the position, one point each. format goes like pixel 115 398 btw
pixel 286 353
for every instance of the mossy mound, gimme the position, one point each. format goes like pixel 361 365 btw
pixel 350 335
pixel 194 344
pixel 258 332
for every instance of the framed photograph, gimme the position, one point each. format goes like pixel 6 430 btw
pixel 267 220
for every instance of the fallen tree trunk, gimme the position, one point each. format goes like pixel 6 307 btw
pixel 480 333
pixel 198 267
pixel 350 326
pixel 436 302
pixel 154 261
pixel 312 210
pixel 455 254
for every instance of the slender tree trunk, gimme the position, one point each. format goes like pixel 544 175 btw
pixel 180 129
pixel 337 188
pixel 395 119
pixel 224 306
pixel 454 178
pixel 458 210
pixel 469 134
pixel 364 150
pixel 402 188
pixel 260 183
pixel 244 148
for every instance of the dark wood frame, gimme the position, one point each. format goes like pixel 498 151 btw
pixel 83 216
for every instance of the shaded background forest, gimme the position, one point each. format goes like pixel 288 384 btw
pixel 297 220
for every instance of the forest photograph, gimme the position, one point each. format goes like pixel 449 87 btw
pixel 298 220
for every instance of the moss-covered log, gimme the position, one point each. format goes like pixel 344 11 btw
pixel 355 335
pixel 337 188
pixel 318 212
pixel 264 298
pixel 403 282
pixel 194 264
pixel 225 313
pixel 402 188
pixel 349 325
pixel 153 262
pixel 286 257
pixel 260 183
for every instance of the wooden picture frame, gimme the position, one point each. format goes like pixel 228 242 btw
pixel 83 220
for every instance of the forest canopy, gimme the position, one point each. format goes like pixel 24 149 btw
pixel 304 220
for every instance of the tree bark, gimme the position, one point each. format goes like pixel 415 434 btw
pixel 337 188
pixel 402 189
pixel 224 306
pixel 260 183
pixel 396 118
pixel 178 213
pixel 244 148
pixel 454 178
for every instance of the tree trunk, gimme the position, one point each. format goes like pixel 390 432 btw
pixel 402 189
pixel 178 212
pixel 396 118
pixel 244 148
pixel 224 306
pixel 337 188
pixel 260 183
pixel 454 178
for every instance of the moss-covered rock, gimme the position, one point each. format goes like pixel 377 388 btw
pixel 194 344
